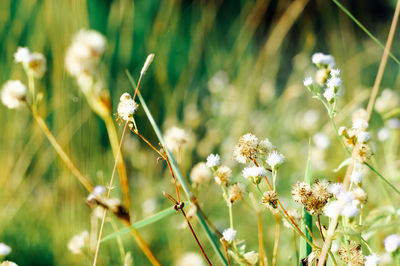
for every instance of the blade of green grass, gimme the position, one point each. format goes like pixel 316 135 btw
pixel 142 223
pixel 305 248
pixel 347 12
pixel 211 238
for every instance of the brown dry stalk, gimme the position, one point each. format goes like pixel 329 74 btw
pixel 263 257
pixel 276 241
pixel 382 65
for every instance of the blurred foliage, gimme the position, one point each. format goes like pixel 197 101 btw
pixel 222 69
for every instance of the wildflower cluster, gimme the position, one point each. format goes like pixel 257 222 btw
pixel 328 81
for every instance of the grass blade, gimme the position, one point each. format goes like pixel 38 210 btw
pixel 142 223
pixel 213 241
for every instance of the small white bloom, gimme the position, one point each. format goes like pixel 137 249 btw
pixel 275 159
pixel 321 140
pixel 335 188
pixel 4 249
pixel 213 160
pixel 383 134
pixel 175 138
pixel 333 209
pixel 266 146
pixel 200 173
pixel 254 171
pixel 190 259
pixel 77 242
pixel 229 234
pixel 126 107
pixel 36 64
pixel 251 257
pixel 357 176
pixel 99 190
pixel 391 243
pixel 13 94
pixel 360 124
pixel 334 82
pixel 372 260
pixel 335 72
pixel 323 59
pixel 329 94
pixel 251 140
pixel 345 196
pixel 22 55
pixel 350 210
pixel 363 137
pixel 308 81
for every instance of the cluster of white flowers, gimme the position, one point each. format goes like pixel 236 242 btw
pixel 345 204
pixel 13 94
pixel 175 138
pixel 85 52
pixel 213 160
pixel 34 63
pixel 229 234
pixel 78 241
pixel 126 107
pixel 372 260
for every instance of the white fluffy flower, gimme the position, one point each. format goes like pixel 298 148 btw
pixel 323 59
pixel 200 173
pixel 126 107
pixel 84 54
pixel 190 259
pixel 213 160
pixel 229 234
pixel 99 190
pixel 391 243
pixel 22 55
pixel 345 205
pixel 4 249
pixel 321 140
pixel 334 82
pixel 308 81
pixel 329 94
pixel 360 124
pixel 275 159
pixel 372 260
pixel 335 188
pixel 175 138
pixel 335 72
pixel 78 241
pixel 266 146
pixel 251 140
pixel 254 171
pixel 363 137
pixel 13 94
pixel 357 174
pixel 383 134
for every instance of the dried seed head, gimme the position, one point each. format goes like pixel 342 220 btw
pixel 175 138
pixel 320 190
pixel 356 256
pixel 126 107
pixel 235 192
pixel 270 198
pixel 246 148
pixel 360 195
pixel 224 174
pixel 146 65
pixel 301 191
pixel 200 174
pixel 265 146
pixel 315 205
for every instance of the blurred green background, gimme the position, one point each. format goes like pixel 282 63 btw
pixel 221 69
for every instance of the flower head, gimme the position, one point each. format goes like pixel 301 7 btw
pixel 13 94
pixel 334 82
pixel 325 60
pixel 235 192
pixel 77 242
pixel 223 175
pixel 175 138
pixel 213 160
pixel 246 148
pixel 254 173
pixel 391 243
pixel 126 107
pixel 329 94
pixel 22 55
pixel 275 159
pixel 229 234
pixel 4 249
pixel 200 173
pixel 372 260
pixel 308 81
